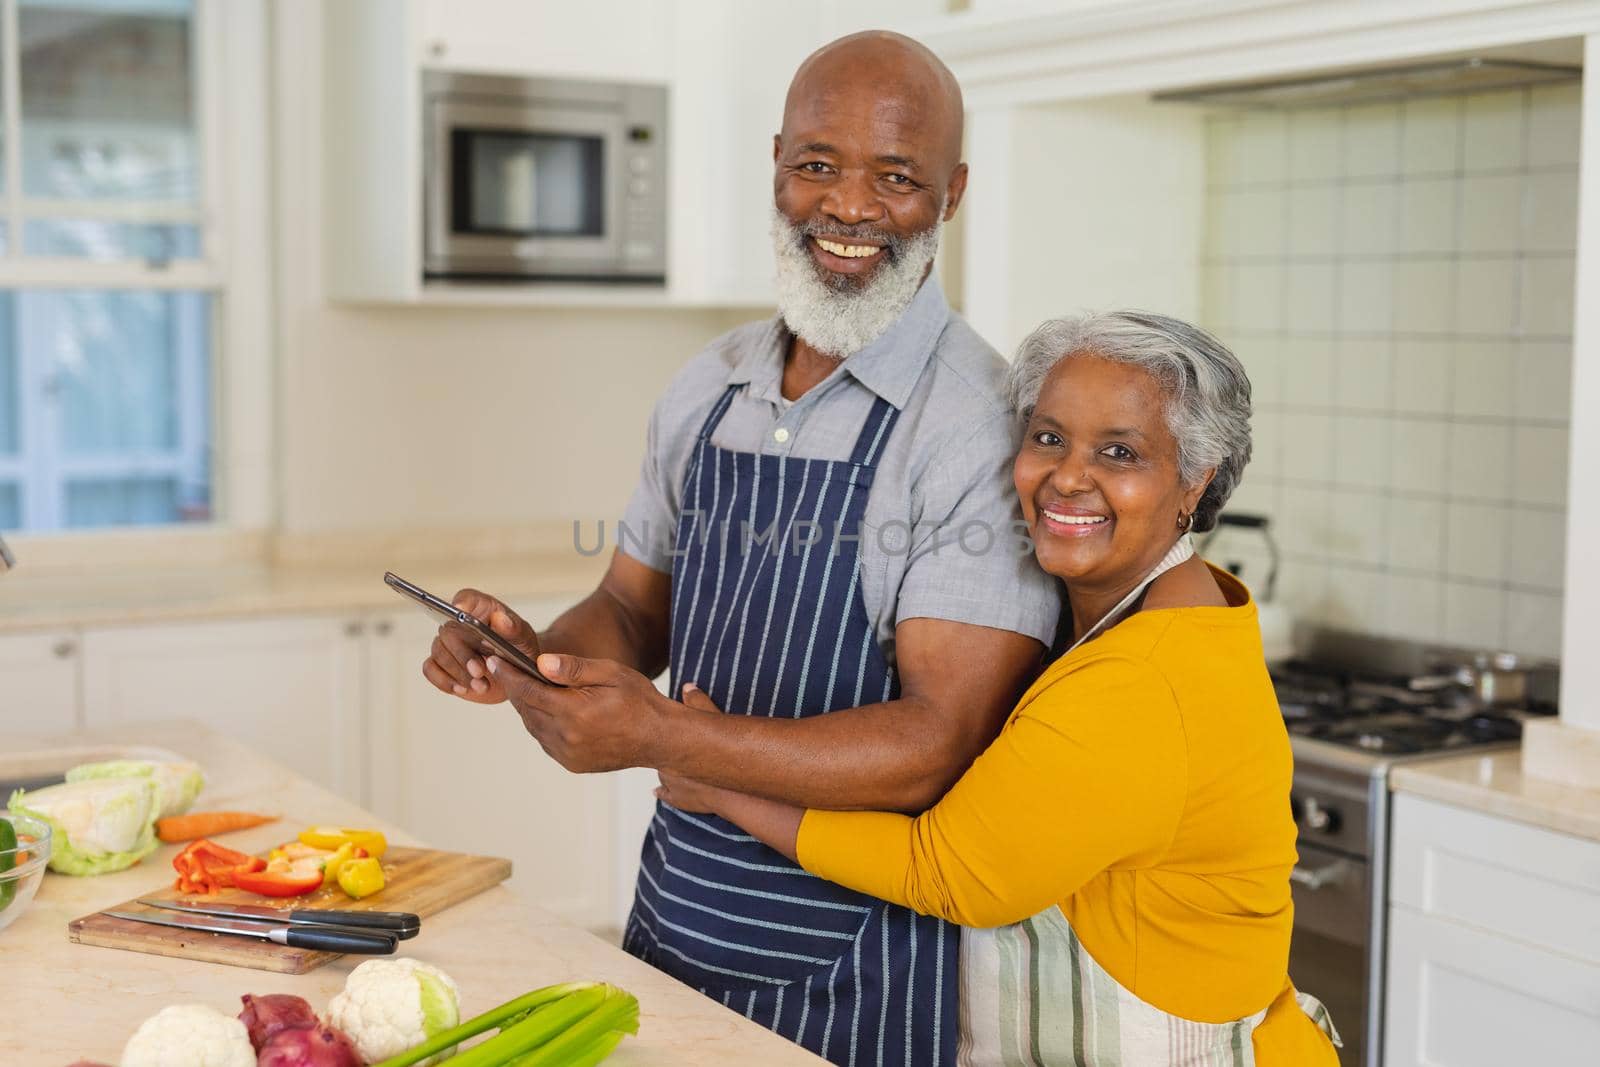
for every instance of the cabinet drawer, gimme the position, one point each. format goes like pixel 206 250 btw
pixel 1519 881
pixel 1459 997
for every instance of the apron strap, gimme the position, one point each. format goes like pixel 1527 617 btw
pixel 719 409
pixel 874 434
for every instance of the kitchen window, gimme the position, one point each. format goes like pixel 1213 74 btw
pixel 110 277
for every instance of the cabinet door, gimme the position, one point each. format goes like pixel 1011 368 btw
pixel 596 39
pixel 469 778
pixel 291 688
pixel 1462 997
pixel 39 683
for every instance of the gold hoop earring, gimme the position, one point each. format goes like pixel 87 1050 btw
pixel 1184 521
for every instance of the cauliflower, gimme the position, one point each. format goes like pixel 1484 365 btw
pixel 189 1035
pixel 389 1006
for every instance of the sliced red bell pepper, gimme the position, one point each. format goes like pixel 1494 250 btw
pixel 205 866
pixel 278 883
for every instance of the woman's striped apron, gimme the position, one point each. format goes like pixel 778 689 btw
pixel 767 618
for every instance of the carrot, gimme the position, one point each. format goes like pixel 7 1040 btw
pixel 206 823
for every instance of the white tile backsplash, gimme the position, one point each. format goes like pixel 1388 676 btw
pixel 1417 455
pixel 1360 451
pixel 1307 451
pixel 1486 297
pixel 1478 461
pixel 1430 135
pixel 1372 141
pixel 1551 210
pixel 1315 138
pixel 1543 373
pixel 1474 615
pixel 1483 381
pixel 1491 213
pixel 1424 295
pixel 1398 280
pixel 1552 116
pixel 1313 220
pixel 1423 376
pixel 1538 548
pixel 1476 537
pixel 1547 295
pixel 1363 373
pixel 1539 470
pixel 1428 215
pixel 1416 534
pixel 1366 296
pixel 1492 134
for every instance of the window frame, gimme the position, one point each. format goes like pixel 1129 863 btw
pixel 231 71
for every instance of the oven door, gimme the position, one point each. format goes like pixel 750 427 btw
pixel 518 190
pixel 1328 954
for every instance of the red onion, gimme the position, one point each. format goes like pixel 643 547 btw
pixel 265 1016
pixel 319 1046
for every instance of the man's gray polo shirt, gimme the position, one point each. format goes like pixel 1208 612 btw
pixel 942 529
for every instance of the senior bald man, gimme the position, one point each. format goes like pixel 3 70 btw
pixel 823 541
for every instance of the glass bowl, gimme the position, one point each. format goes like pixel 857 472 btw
pixel 23 866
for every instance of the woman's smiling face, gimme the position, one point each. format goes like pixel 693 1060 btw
pixel 1098 474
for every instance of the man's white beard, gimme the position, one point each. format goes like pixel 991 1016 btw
pixel 840 322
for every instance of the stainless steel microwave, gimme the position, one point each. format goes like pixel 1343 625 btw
pixel 544 178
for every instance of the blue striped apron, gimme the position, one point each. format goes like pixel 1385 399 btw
pixel 767 618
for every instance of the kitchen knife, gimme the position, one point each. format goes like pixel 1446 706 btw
pixel 321 939
pixel 402 924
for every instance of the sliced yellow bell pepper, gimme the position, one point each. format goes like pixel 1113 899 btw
pixel 331 837
pixel 330 868
pixel 361 877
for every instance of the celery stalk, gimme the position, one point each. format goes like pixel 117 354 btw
pixel 616 1015
pixel 602 1047
pixel 545 1023
pixel 505 1017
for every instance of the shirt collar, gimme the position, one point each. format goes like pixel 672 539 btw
pixel 890 366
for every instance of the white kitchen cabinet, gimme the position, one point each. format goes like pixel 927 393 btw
pixel 39 682
pixel 469 777
pixel 291 687
pixel 1494 942
pixel 619 39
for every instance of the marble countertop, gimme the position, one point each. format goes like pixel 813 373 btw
pixel 1494 784
pixel 59 601
pixel 64 1001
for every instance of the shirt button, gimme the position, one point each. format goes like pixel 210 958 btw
pixel 780 435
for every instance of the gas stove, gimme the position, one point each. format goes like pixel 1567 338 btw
pixel 1383 716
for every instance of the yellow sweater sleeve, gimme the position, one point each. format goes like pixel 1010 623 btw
pixel 1090 773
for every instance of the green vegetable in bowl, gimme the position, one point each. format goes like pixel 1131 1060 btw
pixel 180 782
pixel 98 825
pixel 8 860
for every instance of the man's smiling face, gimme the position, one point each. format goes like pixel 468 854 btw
pixel 869 156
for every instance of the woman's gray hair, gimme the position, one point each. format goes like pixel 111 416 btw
pixel 1208 393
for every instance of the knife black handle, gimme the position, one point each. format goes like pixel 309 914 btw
pixel 402 924
pixel 339 940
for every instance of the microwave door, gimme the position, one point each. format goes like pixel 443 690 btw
pixel 524 191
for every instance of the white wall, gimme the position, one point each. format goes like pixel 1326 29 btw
pixel 421 417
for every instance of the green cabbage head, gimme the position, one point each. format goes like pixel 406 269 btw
pixel 180 782
pixel 97 825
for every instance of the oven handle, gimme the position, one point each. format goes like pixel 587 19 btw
pixel 1319 877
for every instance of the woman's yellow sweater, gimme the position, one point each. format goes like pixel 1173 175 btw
pixel 1141 784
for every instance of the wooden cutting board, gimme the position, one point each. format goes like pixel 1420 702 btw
pixel 419 880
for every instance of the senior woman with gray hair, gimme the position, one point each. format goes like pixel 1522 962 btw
pixel 1121 852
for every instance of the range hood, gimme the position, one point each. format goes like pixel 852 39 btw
pixel 1472 75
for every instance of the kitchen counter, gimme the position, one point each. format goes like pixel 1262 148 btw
pixel 65 1001
pixel 129 596
pixel 1494 784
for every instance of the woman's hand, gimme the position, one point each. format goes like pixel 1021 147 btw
pixel 686 794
